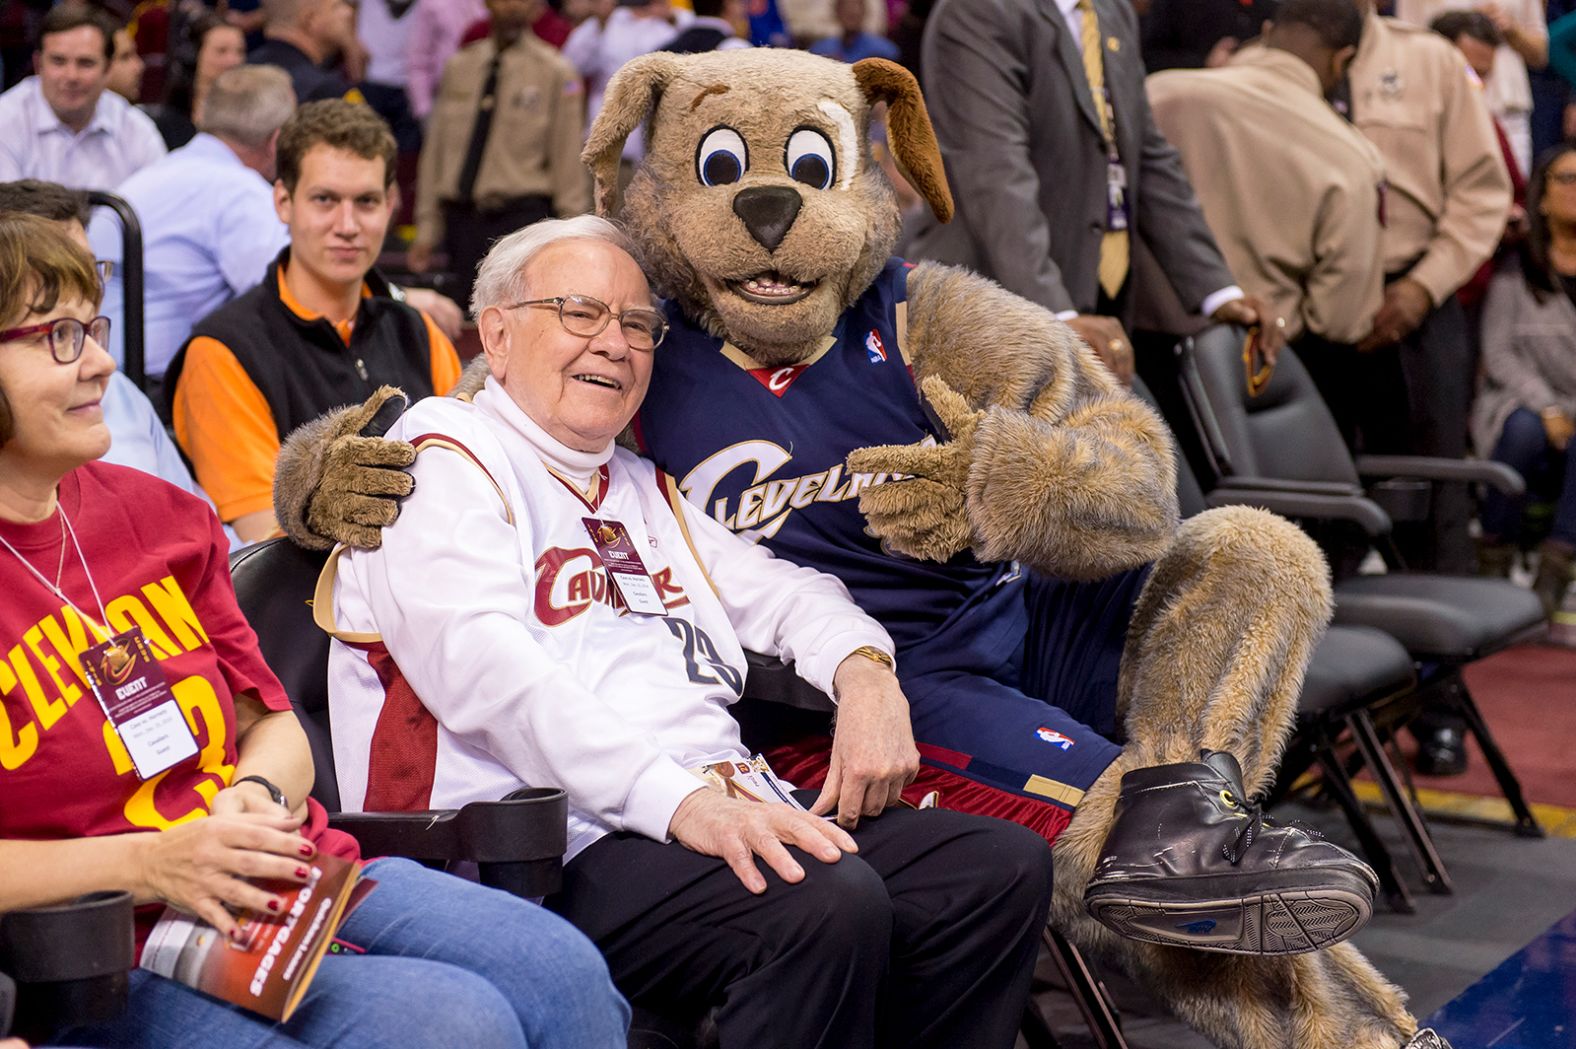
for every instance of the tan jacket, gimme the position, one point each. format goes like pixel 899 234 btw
pixel 533 148
pixel 1289 188
pixel 1449 191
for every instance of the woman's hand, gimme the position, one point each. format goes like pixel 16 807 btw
pixel 203 865
pixel 242 798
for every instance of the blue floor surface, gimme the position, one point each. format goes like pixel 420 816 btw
pixel 1528 1002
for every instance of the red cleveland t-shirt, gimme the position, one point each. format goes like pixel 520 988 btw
pixel 159 558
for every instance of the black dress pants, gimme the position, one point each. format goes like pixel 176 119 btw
pixel 1409 399
pixel 926 937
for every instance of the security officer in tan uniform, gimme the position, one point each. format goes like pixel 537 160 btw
pixel 1408 387
pixel 502 146
pixel 1290 189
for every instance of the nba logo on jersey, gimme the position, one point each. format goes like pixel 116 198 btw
pixel 1052 736
pixel 874 347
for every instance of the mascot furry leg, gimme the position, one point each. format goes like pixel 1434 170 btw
pixel 1214 661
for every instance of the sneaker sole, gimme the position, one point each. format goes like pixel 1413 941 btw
pixel 1271 923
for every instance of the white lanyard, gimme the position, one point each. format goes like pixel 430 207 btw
pixel 52 588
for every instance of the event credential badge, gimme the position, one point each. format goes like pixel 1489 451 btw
pixel 131 687
pixel 624 566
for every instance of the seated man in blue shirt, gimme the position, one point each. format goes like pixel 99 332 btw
pixel 854 43
pixel 138 438
pixel 207 212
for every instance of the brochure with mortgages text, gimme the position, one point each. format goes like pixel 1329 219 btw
pixel 269 968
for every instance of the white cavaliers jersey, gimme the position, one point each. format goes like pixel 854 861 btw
pixel 483 648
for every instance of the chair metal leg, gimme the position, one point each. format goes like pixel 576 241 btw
pixel 1418 837
pixel 1526 822
pixel 1374 850
pixel 1101 1017
pixel 1036 1030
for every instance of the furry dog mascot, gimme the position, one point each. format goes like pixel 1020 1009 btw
pixel 942 444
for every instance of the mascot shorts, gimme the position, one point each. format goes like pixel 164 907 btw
pixel 1024 740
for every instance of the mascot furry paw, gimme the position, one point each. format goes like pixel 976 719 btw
pixel 988 490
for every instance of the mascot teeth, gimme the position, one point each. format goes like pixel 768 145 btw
pixel 773 287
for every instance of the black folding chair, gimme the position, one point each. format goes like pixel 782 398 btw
pixel 135 363
pixel 1283 440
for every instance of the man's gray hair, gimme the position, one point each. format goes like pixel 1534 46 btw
pixel 500 279
pixel 248 104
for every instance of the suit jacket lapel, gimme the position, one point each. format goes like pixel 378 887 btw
pixel 1070 51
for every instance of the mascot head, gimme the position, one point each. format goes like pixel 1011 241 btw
pixel 759 206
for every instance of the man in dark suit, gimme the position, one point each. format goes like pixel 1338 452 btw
pixel 1052 187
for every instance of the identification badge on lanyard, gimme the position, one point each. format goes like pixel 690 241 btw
pixel 1115 195
pixel 131 687
pixel 624 567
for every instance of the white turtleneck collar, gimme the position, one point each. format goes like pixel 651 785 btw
pixel 574 465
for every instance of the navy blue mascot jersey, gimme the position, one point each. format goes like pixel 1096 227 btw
pixel 763 449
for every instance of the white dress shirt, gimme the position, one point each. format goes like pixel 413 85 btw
pixel 119 140
pixel 209 232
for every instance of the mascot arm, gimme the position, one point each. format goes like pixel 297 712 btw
pixel 1068 472
pixel 337 480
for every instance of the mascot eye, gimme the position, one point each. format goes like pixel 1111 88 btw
pixel 722 157
pixel 809 158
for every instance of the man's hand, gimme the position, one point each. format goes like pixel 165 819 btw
pixel 1110 342
pixel 1221 53
pixel 1250 310
pixel 418 257
pixel 924 515
pixel 873 754
pixel 1558 427
pixel 444 311
pixel 738 831
pixel 1406 305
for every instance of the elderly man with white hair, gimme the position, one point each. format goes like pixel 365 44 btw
pixel 549 610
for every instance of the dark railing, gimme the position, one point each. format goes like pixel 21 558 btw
pixel 134 363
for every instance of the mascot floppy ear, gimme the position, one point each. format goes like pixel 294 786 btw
pixel 910 135
pixel 631 95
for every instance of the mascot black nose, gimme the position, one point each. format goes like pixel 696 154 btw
pixel 768 212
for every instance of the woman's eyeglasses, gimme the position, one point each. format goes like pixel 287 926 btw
pixel 586 317
pixel 66 335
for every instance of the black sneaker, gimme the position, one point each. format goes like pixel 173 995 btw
pixel 1427 1038
pixel 1442 751
pixel 1188 862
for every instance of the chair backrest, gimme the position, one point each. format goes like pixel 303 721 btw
pixel 274 581
pixel 1286 432
pixel 1190 497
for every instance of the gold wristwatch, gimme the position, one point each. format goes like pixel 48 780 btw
pixel 872 652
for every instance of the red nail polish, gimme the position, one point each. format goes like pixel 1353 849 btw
pixel 273 905
pixel 307 850
pixel 302 872
pixel 236 934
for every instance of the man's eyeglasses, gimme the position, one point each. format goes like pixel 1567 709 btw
pixel 66 335
pixel 586 317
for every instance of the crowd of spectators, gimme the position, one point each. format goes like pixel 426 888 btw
pixel 1388 188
